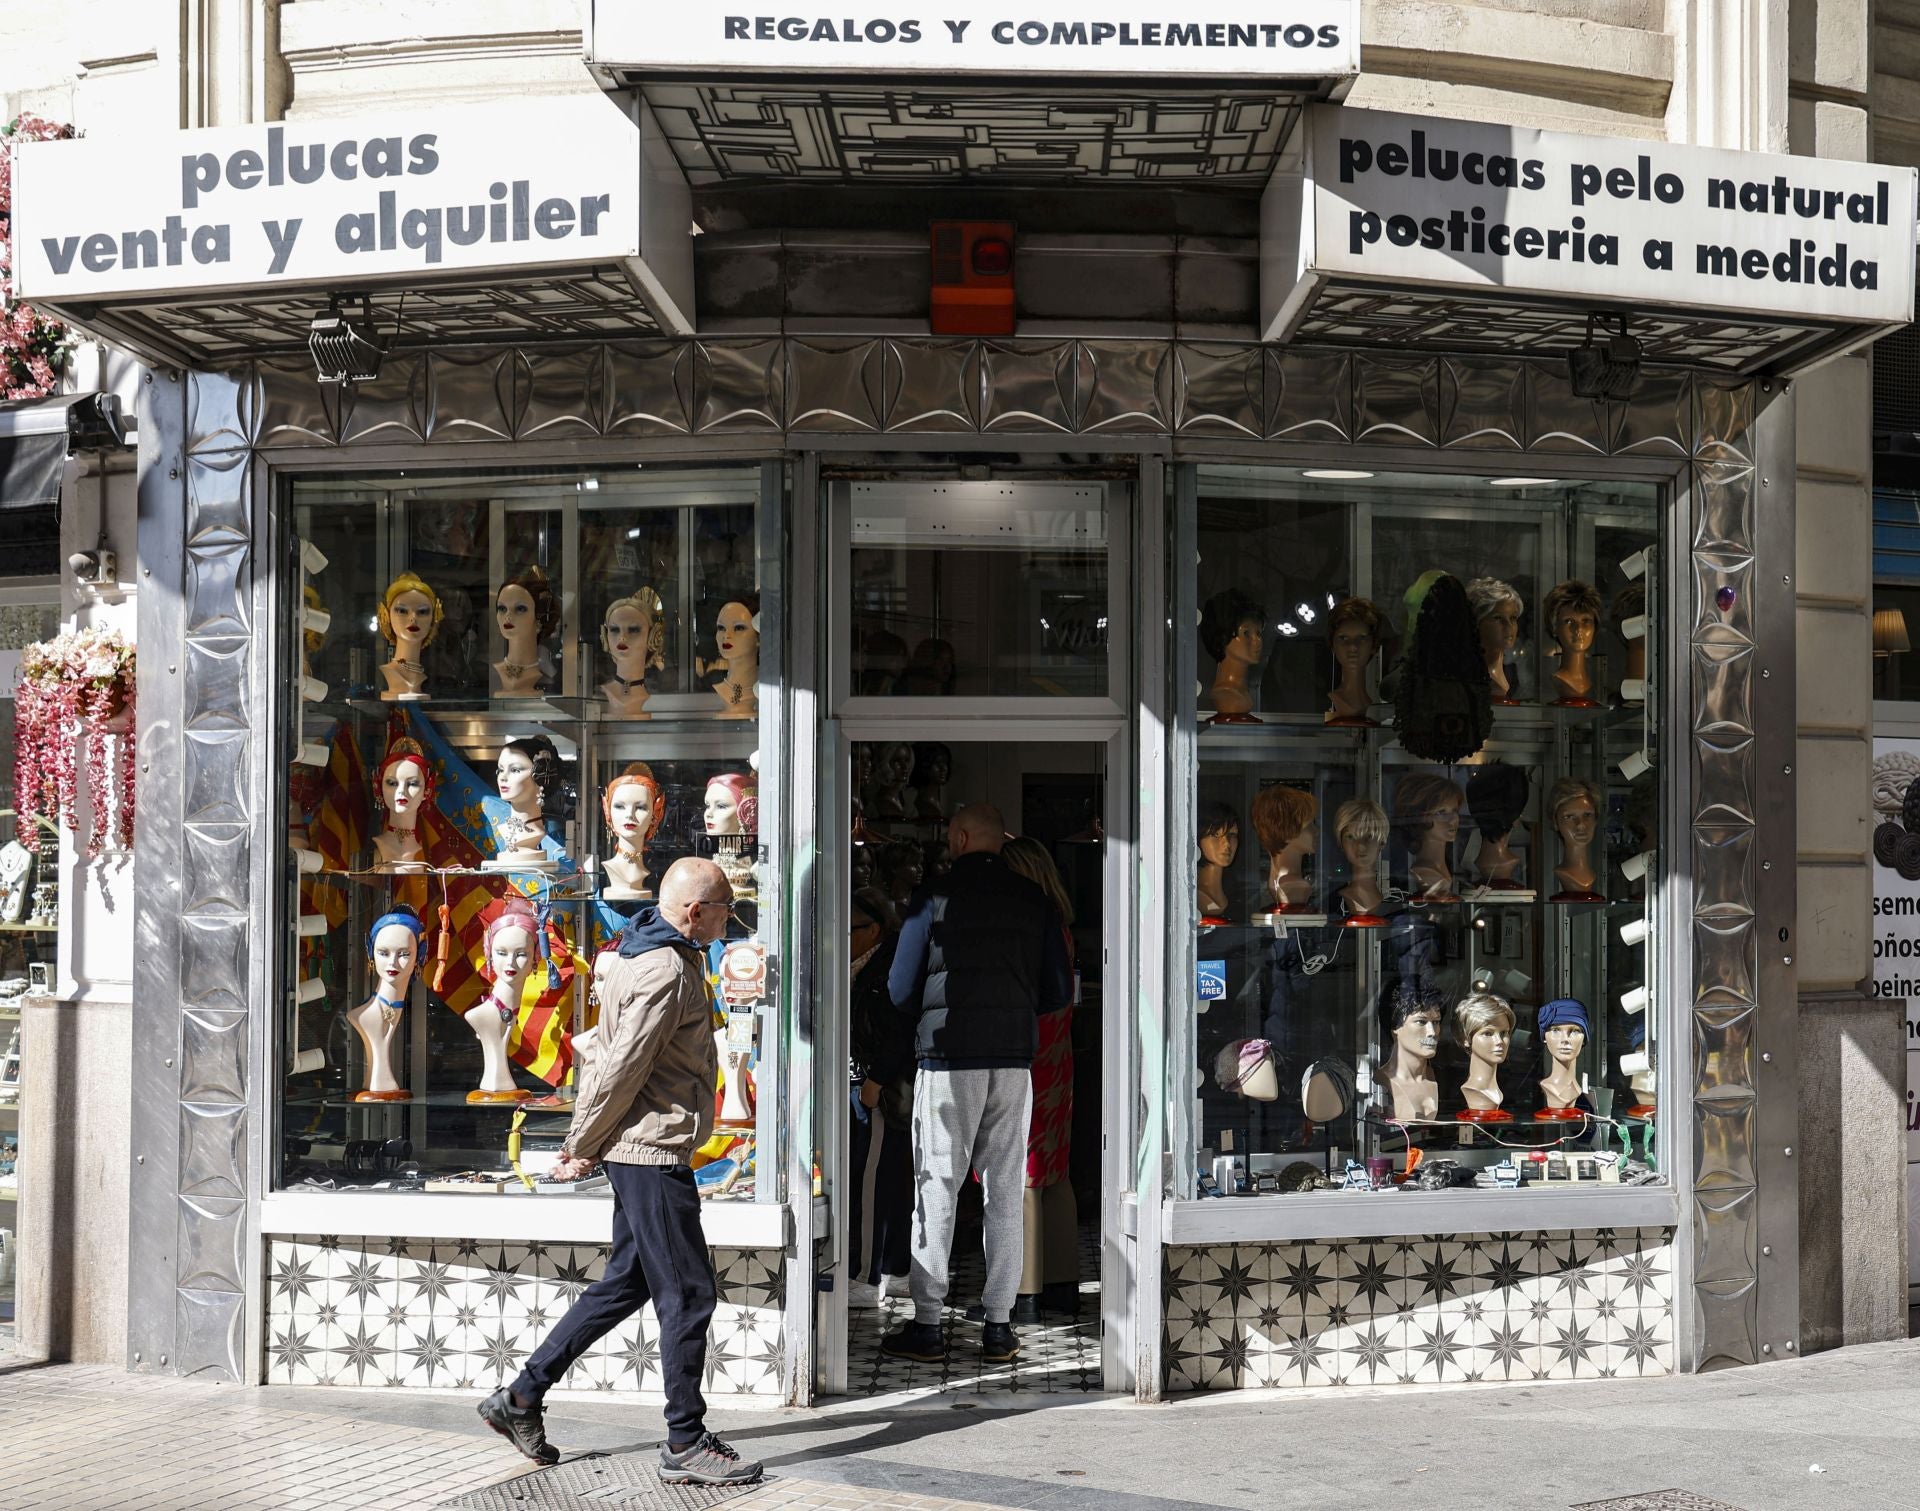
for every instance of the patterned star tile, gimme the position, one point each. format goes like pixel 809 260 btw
pixel 1373 1352
pixel 1502 1349
pixel 1572 1347
pixel 295 1354
pixel 426 1357
pixel 1645 1341
pixel 1436 1351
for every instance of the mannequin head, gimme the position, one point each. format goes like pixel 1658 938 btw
pixel 393 947
pixel 936 858
pixel 860 868
pixel 1426 810
pixel 1573 615
pixel 1219 835
pixel 932 764
pixel 1411 1016
pixel 894 765
pixel 1283 817
pixel 1247 1066
pixel 732 804
pixel 528 773
pixel 633 805
pixel 404 785
pixel 1360 828
pixel 526 611
pixel 902 867
pixel 1483 1026
pixel 634 632
pixel 884 655
pixel 1497 610
pixel 1563 1030
pixel 1496 797
pixel 512 942
pixel 1232 627
pixel 409 615
pixel 1574 806
pixel 1354 628
pixel 930 670
pixel 736 632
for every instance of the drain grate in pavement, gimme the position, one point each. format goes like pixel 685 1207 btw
pixel 1658 1500
pixel 597 1482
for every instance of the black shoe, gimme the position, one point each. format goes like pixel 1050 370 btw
pixel 1026 1310
pixel 521 1426
pixel 997 1343
pixel 707 1461
pixel 976 1313
pixel 920 1341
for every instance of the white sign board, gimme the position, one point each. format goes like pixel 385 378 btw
pixel 1896 932
pixel 1286 39
pixel 1408 200
pixel 328 202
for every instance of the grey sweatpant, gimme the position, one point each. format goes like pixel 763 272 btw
pixel 969 1119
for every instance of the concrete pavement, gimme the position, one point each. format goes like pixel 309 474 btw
pixel 86 1439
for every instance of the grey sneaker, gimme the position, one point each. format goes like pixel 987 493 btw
pixel 522 1426
pixel 708 1461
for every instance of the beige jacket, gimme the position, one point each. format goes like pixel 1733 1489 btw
pixel 646 1093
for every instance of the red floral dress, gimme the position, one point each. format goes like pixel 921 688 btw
pixel 1050 1135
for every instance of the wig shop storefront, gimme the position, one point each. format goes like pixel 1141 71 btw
pixel 1401 663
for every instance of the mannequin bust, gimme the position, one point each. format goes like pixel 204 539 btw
pixel 1354 629
pixel 633 633
pixel 901 867
pixel 511 949
pixel 1497 611
pixel 1573 617
pixel 736 636
pixel 634 807
pixel 393 949
pixel 932 769
pixel 1563 1030
pixel 1219 846
pixel 1232 632
pixel 1247 1066
pixel 732 818
pixel 528 777
pixel 1483 1027
pixel 1496 797
pixel 1360 829
pixel 1426 811
pixel 527 612
pixel 403 787
pixel 1411 1016
pixel 1574 807
pixel 409 617
pixel 1283 821
pixel 930 672
pixel 892 768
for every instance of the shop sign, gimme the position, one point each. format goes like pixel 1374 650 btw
pixel 328 202
pixel 1896 923
pixel 1290 39
pixel 1413 201
pixel 743 973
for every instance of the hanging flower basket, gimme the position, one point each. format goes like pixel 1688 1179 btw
pixel 76 694
pixel 33 348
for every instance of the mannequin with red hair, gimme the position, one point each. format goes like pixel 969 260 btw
pixel 732 818
pixel 634 807
pixel 511 948
pixel 403 788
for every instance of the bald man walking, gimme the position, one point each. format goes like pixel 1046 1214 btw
pixel 645 1104
pixel 981 955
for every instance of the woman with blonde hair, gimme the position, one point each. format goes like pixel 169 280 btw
pixel 1052 1237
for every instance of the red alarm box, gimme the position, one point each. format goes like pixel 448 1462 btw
pixel 972 278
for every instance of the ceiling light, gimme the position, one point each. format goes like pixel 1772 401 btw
pixel 1522 482
pixel 1336 474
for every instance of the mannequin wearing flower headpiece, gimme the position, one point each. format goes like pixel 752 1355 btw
pixel 409 617
pixel 736 635
pixel 1247 1066
pixel 527 612
pixel 528 777
pixel 403 787
pixel 634 807
pixel 393 949
pixel 512 947
pixel 633 632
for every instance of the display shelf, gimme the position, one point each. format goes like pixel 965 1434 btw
pixel 443 1100
pixel 29 928
pixel 577 1217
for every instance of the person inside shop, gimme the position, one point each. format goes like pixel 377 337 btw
pixel 646 1105
pixel 880 1152
pixel 981 957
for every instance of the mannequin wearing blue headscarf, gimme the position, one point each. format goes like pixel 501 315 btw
pixel 1563 1030
pixel 393 951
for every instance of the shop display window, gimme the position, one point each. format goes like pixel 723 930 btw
pixel 1425 832
pixel 514 700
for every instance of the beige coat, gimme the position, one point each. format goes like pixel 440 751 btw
pixel 646 1092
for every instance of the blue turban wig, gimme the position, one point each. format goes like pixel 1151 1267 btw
pixel 1564 1010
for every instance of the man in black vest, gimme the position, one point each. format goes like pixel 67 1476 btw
pixel 981 954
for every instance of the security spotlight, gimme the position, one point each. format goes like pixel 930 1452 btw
pixel 1635 931
pixel 1635 766
pixel 1607 371
pixel 344 344
pixel 1635 866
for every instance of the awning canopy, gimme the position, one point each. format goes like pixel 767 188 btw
pixel 36 436
pixel 202 247
pixel 1047 91
pixel 1453 236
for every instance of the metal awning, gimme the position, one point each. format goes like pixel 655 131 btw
pixel 1466 237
